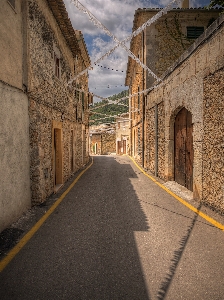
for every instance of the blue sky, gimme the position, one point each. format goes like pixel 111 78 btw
pixel 117 16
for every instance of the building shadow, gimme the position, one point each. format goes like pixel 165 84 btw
pixel 177 255
pixel 87 248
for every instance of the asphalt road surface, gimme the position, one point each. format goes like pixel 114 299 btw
pixel 118 235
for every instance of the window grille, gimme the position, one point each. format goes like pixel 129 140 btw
pixel 194 32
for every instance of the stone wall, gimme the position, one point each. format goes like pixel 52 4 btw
pixel 122 134
pixel 193 82
pixel 155 139
pixel 53 105
pixel 95 138
pixel 161 140
pixel 150 140
pixel 11 43
pixel 14 120
pixel 14 155
pixel 108 143
pixel 213 142
pixel 158 46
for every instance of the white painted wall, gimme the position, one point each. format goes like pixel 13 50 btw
pixel 14 155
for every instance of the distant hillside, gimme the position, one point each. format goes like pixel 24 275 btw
pixel 109 109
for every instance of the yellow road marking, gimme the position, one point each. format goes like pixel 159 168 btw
pixel 194 209
pixel 5 261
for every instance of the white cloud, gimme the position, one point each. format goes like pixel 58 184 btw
pixel 117 16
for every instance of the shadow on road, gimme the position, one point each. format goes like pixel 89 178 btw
pixel 106 252
pixel 164 287
pixel 86 249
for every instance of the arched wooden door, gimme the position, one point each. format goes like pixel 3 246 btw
pixel 183 149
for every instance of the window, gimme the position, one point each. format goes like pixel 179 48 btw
pixel 56 66
pixel 12 3
pixel 194 32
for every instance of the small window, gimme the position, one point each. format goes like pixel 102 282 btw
pixel 56 66
pixel 12 3
pixel 194 32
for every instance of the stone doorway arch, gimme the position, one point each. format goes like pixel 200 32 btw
pixel 183 149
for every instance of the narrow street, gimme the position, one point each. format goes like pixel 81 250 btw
pixel 118 235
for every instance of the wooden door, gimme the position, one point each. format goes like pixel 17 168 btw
pixel 183 149
pixel 124 147
pixel 119 147
pixel 58 156
pixel 72 151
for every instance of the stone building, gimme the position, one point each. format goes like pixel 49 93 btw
pixel 58 112
pixel 44 121
pixel 14 119
pixel 103 139
pixel 95 143
pixel 122 134
pixel 184 119
pixel 158 46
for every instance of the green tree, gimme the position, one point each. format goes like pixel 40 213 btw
pixel 103 109
pixel 216 2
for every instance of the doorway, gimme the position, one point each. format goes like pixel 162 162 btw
pixel 119 147
pixel 124 147
pixel 58 180
pixel 72 152
pixel 183 149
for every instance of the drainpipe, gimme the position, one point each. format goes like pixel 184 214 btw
pixel 156 140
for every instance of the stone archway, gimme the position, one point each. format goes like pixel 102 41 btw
pixel 183 149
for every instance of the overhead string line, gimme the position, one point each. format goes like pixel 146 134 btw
pixel 102 114
pixel 98 24
pixel 109 68
pixel 112 116
pixel 117 101
pixel 117 116
pixel 125 97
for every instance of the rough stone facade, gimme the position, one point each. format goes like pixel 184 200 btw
pixel 122 134
pixel 95 143
pixel 158 46
pixel 102 139
pixel 213 141
pixel 108 143
pixel 154 145
pixel 194 82
pixel 58 113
